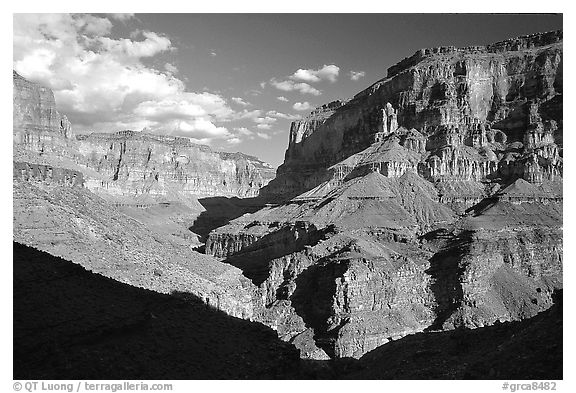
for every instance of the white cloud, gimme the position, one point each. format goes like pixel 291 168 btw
pixel 289 85
pixel 151 46
pixel 185 106
pixel 265 120
pixel 240 101
pixel 302 106
pixel 263 135
pixel 281 115
pixel 93 25
pixel 122 17
pixel 246 114
pixel 171 68
pixel 199 128
pixel 282 98
pixel 213 54
pixel 243 131
pixel 234 141
pixel 327 72
pixel 265 123
pixel 102 84
pixel 355 75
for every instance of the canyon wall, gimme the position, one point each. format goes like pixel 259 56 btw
pixel 129 165
pixel 121 204
pixel 163 167
pixel 430 201
pixel 473 113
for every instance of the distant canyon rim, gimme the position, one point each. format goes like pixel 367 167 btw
pixel 430 201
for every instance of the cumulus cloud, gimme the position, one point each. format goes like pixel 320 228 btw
pixel 185 106
pixel 281 115
pixel 243 131
pixel 102 84
pixel 289 85
pixel 247 115
pixel 355 75
pixel 240 101
pixel 263 135
pixel 171 68
pixel 282 98
pixel 149 47
pixel 234 141
pixel 302 106
pixel 122 17
pixel 327 72
pixel 267 120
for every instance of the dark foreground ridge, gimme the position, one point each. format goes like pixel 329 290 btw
pixel 70 323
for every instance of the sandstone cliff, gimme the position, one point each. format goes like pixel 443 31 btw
pixel 129 166
pixel 432 200
pixel 459 114
pixel 136 164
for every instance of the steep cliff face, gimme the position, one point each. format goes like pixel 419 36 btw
pixel 134 163
pixel 129 165
pixel 430 201
pixel 35 110
pixel 37 125
pixel 473 113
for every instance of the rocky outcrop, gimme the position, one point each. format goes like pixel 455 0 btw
pixel 433 201
pixel 129 165
pixel 44 173
pixel 35 110
pixel 474 114
pixel 368 272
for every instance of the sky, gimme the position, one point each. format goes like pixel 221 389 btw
pixel 231 81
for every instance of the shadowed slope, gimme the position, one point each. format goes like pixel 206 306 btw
pixel 528 349
pixel 73 324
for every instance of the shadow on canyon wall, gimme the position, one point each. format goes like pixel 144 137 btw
pixel 527 349
pixel 446 272
pixel 70 323
pixel 254 260
pixel 220 211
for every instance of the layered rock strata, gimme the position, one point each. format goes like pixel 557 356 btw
pixel 430 201
pixel 473 114
pixel 129 165
pixel 121 204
